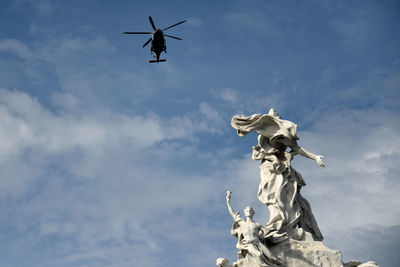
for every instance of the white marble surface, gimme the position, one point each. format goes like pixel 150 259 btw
pixel 280 184
pixel 291 237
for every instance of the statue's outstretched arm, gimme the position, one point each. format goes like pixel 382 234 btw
pixel 228 202
pixel 302 151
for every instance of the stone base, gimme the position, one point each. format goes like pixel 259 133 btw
pixel 360 264
pixel 306 254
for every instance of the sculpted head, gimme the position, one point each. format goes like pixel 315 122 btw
pixel 248 211
pixel 272 112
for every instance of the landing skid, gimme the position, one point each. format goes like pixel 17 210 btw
pixel 157 61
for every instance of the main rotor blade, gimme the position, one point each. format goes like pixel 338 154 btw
pixel 174 25
pixel 137 32
pixel 148 41
pixel 170 36
pixel 152 23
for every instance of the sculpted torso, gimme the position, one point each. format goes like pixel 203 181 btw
pixel 250 231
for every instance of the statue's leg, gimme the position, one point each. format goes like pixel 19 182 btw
pixel 268 255
pixel 291 207
pixel 269 192
pixel 256 255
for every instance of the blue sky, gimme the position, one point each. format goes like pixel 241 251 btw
pixel 106 160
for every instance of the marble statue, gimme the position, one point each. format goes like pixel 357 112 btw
pixel 291 236
pixel 280 185
pixel 249 233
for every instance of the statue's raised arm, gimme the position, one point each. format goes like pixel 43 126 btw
pixel 228 203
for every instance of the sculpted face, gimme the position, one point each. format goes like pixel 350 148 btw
pixel 248 211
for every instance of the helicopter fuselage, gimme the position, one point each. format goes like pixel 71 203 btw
pixel 158 43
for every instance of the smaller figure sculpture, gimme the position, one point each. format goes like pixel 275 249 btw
pixel 251 248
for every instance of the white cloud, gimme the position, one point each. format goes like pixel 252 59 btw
pixel 28 125
pixel 129 196
pixel 195 22
pixel 367 243
pixel 33 138
pixel 241 102
pixel 213 119
pixel 229 95
pixel 16 47
pixel 358 187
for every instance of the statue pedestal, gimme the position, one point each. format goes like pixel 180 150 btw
pixel 306 254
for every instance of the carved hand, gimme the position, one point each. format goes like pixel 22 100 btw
pixel 318 159
pixel 228 195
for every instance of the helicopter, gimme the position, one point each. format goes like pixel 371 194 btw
pixel 157 40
